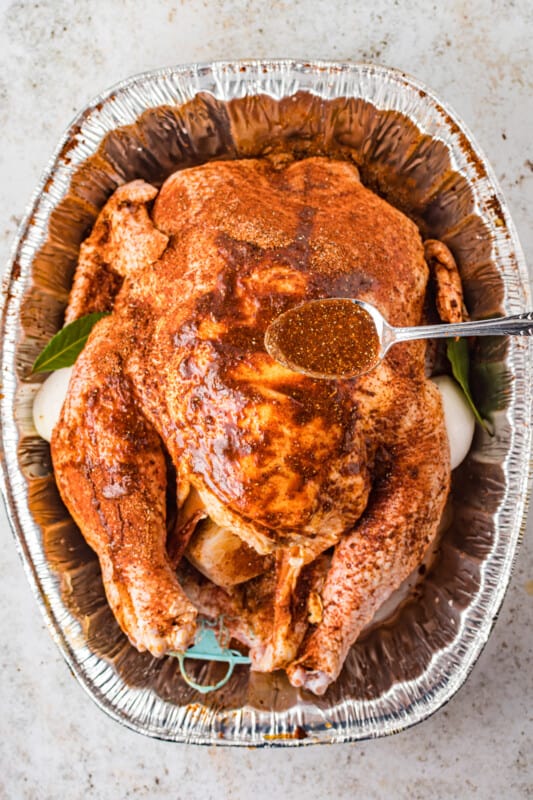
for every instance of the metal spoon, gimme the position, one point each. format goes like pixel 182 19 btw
pixel 344 338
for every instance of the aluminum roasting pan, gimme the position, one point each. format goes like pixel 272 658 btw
pixel 413 150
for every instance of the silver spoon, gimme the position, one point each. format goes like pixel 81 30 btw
pixel 344 338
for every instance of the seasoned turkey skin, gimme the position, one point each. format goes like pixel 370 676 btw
pixel 328 492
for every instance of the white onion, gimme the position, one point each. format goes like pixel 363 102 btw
pixel 49 401
pixel 458 416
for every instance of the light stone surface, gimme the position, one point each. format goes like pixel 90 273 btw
pixel 477 56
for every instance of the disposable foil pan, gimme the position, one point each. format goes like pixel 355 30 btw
pixel 414 151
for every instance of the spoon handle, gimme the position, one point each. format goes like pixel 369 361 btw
pixel 518 325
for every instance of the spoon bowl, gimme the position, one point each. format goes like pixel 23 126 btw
pixel 338 338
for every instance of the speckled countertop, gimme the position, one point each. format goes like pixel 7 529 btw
pixel 476 55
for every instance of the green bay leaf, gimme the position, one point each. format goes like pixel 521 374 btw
pixel 457 353
pixel 64 348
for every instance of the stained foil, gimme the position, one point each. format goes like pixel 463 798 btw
pixel 415 152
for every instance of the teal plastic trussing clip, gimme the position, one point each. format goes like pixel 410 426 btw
pixel 207 648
